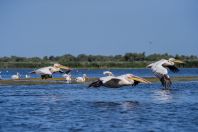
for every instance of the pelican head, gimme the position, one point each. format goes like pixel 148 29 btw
pixel 175 60
pixel 61 66
pixel 108 73
pixel 136 78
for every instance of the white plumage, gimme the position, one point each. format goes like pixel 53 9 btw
pixel 119 81
pixel 67 78
pixel 14 77
pixel 160 70
pixel 46 72
pixel 27 76
pixel 108 73
pixel 81 79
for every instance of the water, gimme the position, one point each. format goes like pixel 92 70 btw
pixel 7 73
pixel 74 107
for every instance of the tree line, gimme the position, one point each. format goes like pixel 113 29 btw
pixel 128 60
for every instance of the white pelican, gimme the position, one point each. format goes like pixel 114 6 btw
pixel 46 72
pixel 27 76
pixel 17 76
pixel 81 79
pixel 108 73
pixel 67 78
pixel 119 81
pixel 159 68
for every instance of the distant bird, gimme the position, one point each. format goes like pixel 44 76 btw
pixel 27 76
pixel 46 72
pixel 67 78
pixel 160 67
pixel 119 81
pixel 108 73
pixel 15 77
pixel 81 79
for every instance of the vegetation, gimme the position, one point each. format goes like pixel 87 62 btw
pixel 129 60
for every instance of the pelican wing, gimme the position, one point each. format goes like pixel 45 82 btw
pixel 114 82
pixel 45 70
pixel 96 84
pixel 173 68
pixel 135 83
pixel 68 71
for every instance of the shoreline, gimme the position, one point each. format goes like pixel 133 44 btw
pixel 38 81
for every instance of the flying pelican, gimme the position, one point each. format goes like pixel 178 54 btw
pixel 108 73
pixel 17 76
pixel 119 81
pixel 67 78
pixel 46 72
pixel 160 67
pixel 81 79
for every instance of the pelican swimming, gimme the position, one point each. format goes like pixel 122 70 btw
pixel 160 67
pixel 27 76
pixel 81 79
pixel 119 81
pixel 108 73
pixel 67 78
pixel 46 72
pixel 17 76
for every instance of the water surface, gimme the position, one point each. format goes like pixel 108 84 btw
pixel 74 107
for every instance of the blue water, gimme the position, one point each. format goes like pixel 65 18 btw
pixel 7 73
pixel 74 107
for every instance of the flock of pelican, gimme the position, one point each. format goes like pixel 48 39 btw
pixel 159 68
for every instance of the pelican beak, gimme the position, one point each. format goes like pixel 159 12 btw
pixel 64 67
pixel 179 61
pixel 139 79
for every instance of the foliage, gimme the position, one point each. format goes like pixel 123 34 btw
pixel 129 60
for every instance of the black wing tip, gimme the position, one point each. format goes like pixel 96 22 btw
pixel 95 84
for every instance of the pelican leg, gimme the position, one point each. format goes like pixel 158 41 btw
pixel 168 82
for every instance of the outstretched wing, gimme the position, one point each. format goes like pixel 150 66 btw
pixel 112 83
pixel 96 84
pixel 173 68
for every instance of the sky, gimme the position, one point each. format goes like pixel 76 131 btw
pixel 99 27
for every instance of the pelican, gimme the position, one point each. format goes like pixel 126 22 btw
pixel 108 73
pixel 119 81
pixel 81 79
pixel 67 78
pixel 160 69
pixel 27 76
pixel 17 76
pixel 46 72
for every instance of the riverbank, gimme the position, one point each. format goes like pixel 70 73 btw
pixel 38 81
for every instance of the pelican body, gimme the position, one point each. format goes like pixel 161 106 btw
pixel 15 77
pixel 119 81
pixel 46 72
pixel 160 70
pixel 67 78
pixel 81 79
